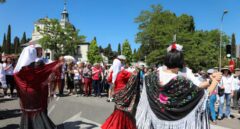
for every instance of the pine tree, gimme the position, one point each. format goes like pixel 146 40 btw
pixel 109 53
pixel 119 49
pixel 24 39
pixel 108 50
pixel 8 42
pixel 4 43
pixel 134 56
pixel 2 1
pixel 127 51
pixel 93 52
pixel 16 45
pixel 100 49
pixel 233 45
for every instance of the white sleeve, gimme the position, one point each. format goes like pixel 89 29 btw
pixel 233 83
pixel 194 79
pixel 4 65
pixel 116 69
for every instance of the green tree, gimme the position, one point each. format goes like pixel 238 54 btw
pixel 100 49
pixel 119 49
pixel 134 56
pixel 2 1
pixel 4 43
pixel 127 51
pixel 108 52
pixel 157 28
pixel 233 45
pixel 61 40
pixel 24 39
pixel 93 52
pixel 8 42
pixel 16 44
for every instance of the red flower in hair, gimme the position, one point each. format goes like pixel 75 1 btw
pixel 174 47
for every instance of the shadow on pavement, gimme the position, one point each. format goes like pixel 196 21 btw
pixel 6 114
pixel 5 100
pixel 11 126
pixel 76 125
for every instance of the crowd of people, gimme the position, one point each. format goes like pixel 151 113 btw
pixel 169 96
pixel 226 94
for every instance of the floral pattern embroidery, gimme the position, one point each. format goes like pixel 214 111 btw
pixel 163 98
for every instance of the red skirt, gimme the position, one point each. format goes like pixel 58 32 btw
pixel 119 120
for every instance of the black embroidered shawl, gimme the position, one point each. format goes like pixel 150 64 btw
pixel 128 98
pixel 174 100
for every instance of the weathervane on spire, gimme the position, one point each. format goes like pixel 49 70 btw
pixel 65 4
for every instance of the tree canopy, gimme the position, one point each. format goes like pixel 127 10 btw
pixel 93 52
pixel 119 49
pixel 8 41
pixel 16 45
pixel 233 42
pixel 2 1
pixel 127 51
pixel 157 28
pixel 62 40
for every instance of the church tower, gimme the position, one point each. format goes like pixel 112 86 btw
pixel 65 16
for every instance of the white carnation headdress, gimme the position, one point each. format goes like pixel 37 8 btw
pixel 174 46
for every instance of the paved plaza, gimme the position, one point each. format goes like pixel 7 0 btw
pixel 72 112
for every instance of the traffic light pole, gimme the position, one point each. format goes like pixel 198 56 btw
pixel 220 46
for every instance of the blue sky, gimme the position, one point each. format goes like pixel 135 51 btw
pixel 112 21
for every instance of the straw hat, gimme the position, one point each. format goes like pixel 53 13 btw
pixel 225 68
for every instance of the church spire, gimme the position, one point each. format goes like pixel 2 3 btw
pixel 65 4
pixel 65 15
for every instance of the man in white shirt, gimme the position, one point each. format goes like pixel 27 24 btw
pixel 227 83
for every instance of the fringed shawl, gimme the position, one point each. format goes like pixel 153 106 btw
pixel 177 105
pixel 128 98
pixel 32 87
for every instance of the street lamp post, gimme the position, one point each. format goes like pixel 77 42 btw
pixel 220 46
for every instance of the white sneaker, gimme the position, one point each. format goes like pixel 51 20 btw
pixel 6 97
pixel 111 99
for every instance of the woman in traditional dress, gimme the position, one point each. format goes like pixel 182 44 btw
pixel 32 85
pixel 126 96
pixel 171 101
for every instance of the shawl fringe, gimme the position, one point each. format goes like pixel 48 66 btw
pixel 196 119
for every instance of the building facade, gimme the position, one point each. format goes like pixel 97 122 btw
pixel 82 48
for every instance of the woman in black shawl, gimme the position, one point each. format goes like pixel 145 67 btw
pixel 170 101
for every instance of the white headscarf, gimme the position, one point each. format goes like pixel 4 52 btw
pixel 28 55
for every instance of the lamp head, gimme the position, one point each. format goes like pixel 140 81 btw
pixel 225 11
